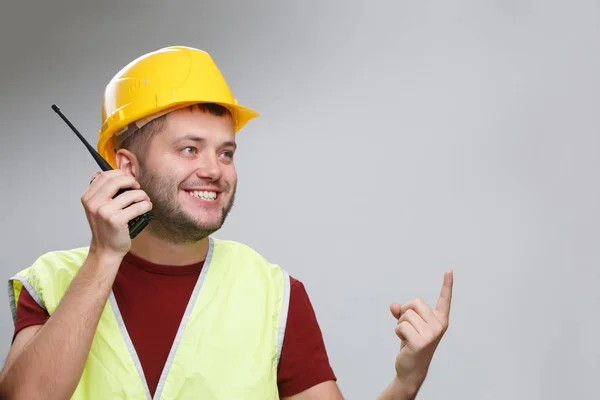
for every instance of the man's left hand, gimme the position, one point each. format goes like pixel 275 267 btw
pixel 420 330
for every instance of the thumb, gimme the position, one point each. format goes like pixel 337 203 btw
pixel 395 309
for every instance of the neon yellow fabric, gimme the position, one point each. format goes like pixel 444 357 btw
pixel 228 344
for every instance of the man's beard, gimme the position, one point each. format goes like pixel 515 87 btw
pixel 170 222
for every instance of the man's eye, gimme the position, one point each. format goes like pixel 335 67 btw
pixel 228 154
pixel 188 150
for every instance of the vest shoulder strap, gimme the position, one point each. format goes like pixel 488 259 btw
pixel 59 267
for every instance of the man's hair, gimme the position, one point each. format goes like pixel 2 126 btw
pixel 138 141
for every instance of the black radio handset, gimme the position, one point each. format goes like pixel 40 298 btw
pixel 138 223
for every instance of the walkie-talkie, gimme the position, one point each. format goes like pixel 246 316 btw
pixel 138 223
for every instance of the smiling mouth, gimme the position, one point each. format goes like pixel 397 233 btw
pixel 203 195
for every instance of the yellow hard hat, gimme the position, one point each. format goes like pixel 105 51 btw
pixel 158 82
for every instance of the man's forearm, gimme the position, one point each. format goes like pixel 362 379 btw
pixel 398 390
pixel 53 360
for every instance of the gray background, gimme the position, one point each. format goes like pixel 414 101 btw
pixel 397 139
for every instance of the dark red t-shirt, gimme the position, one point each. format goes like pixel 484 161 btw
pixel 163 292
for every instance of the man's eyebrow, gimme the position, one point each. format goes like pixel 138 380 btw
pixel 199 139
pixel 230 144
pixel 189 137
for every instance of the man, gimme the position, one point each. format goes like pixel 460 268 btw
pixel 174 313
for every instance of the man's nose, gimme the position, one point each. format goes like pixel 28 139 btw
pixel 208 168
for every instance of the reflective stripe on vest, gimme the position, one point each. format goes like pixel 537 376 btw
pixel 228 344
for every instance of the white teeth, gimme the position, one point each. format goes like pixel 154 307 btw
pixel 204 195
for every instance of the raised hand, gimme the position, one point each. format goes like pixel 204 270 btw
pixel 108 215
pixel 420 330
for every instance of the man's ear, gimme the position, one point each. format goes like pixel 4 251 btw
pixel 127 161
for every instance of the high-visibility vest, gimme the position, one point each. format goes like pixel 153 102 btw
pixel 228 344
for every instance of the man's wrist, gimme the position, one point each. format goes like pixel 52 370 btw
pixel 401 389
pixel 103 261
pixel 104 257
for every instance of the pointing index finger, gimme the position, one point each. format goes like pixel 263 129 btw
pixel 445 299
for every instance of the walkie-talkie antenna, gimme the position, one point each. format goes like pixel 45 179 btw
pixel 105 166
pixel 136 224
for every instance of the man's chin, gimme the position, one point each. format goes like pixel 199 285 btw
pixel 205 228
pixel 204 221
pixel 213 218
pixel 184 233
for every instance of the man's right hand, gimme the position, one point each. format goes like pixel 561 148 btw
pixel 108 216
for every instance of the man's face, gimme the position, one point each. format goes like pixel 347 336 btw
pixel 189 175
